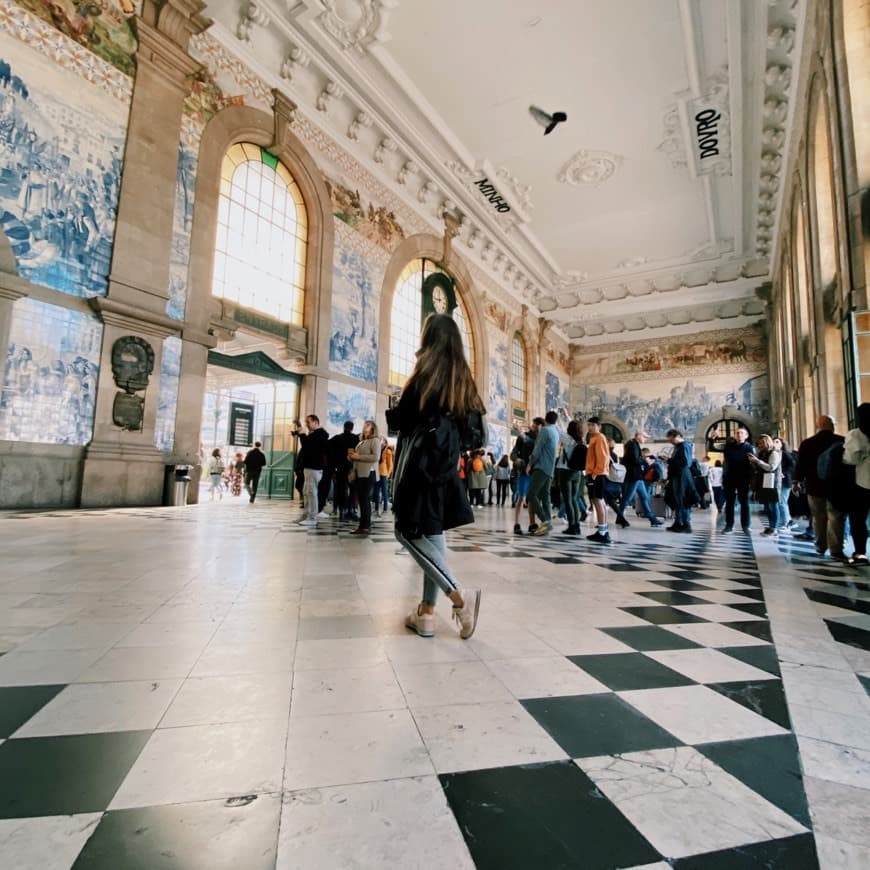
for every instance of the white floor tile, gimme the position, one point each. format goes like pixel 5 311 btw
pixel 141 663
pixel 45 843
pixel 353 747
pixel 552 676
pixel 361 652
pixel 684 804
pixel 355 690
pixel 474 736
pixel 436 685
pixel 218 660
pixel 45 667
pixel 708 666
pixel 696 714
pixel 713 634
pixel 89 708
pixel 372 825
pixel 205 763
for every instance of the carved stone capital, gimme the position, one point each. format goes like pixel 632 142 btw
pixel 133 318
pixel 166 57
pixel 177 20
pixel 284 110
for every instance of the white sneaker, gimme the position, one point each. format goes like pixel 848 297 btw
pixel 466 615
pixel 308 522
pixel 323 515
pixel 400 552
pixel 422 623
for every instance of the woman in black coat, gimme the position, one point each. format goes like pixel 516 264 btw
pixel 680 493
pixel 439 415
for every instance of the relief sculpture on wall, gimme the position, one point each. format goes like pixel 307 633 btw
pixel 132 365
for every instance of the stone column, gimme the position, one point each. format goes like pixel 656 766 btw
pixel 123 467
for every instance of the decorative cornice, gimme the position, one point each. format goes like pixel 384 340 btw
pixel 356 23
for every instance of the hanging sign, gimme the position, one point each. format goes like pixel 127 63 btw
pixel 241 425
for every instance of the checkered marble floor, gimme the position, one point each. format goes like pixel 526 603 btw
pixel 218 687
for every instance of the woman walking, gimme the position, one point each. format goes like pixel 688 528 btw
pixel 439 414
pixel 216 470
pixel 568 469
pixel 365 458
pixel 767 466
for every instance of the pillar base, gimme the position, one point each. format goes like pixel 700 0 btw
pixel 116 476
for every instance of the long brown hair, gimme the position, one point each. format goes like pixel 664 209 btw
pixel 441 376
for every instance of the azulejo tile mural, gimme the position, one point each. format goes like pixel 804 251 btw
pixel 555 397
pixel 353 343
pixel 61 148
pixel 657 405
pixel 497 440
pixel 50 381
pixel 104 27
pixel 167 401
pixel 182 222
pixel 499 359
pixel 348 403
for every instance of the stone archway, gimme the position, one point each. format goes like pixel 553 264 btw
pixel 727 412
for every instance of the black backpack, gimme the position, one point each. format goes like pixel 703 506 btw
pixel 829 465
pixel 577 458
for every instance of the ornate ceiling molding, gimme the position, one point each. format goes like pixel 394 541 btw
pixel 589 167
pixel 356 23
pixel 781 32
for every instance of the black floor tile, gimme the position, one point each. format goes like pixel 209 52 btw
pixel 663 615
pixel 589 725
pixel 52 776
pixel 755 628
pixel 688 575
pixel 218 835
pixel 849 634
pixel 673 597
pixel 622 672
pixel 757 594
pixel 765 697
pixel 650 637
pixel 858 605
pixel 561 560
pixel 769 766
pixel 544 816
pixel 681 585
pixel 791 853
pixel 20 703
pixel 865 682
pixel 763 657
pixel 759 609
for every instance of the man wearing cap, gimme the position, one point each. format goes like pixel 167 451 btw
pixel 635 468
pixel 597 464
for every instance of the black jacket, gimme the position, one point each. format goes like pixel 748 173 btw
pixel 806 468
pixel 429 496
pixel 314 450
pixel 635 466
pixel 737 470
pixel 254 461
pixel 338 447
pixel 681 491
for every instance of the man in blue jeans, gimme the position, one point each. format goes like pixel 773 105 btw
pixel 635 468
pixel 523 447
pixel 541 467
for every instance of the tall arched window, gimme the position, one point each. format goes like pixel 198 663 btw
pixel 406 319
pixel 262 235
pixel 519 397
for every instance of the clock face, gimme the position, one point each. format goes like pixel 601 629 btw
pixel 439 299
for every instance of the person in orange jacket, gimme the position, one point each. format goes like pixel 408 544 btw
pixel 597 464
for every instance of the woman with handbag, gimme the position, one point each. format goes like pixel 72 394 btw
pixel 365 457
pixel 767 481
pixel 440 414
pixel 857 452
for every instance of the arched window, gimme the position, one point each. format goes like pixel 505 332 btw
pixel 519 396
pixel 262 235
pixel 406 319
pixel 719 433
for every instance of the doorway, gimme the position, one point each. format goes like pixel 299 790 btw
pixel 249 397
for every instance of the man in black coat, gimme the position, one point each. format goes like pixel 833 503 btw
pixel 737 478
pixel 255 460
pixel 341 465
pixel 313 458
pixel 829 521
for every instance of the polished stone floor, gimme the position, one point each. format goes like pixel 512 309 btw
pixel 216 687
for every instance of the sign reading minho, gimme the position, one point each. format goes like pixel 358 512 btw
pixel 492 195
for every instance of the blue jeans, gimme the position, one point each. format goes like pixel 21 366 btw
pixel 569 486
pixel 773 512
pixel 783 503
pixel 632 487
pixel 683 517
pixel 379 493
pixel 430 553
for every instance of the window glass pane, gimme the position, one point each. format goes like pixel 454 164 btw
pixel 518 372
pixel 261 243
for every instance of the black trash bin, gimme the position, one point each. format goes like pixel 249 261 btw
pixel 175 485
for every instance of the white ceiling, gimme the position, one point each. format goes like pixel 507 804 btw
pixel 642 243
